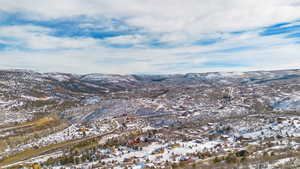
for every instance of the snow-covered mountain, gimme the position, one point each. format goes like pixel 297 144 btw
pixel 214 113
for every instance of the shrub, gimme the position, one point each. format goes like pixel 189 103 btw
pixel 231 158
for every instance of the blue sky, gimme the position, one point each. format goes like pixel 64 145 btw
pixel 143 36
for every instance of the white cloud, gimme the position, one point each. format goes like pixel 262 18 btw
pixel 193 16
pixel 100 58
pixel 169 21
pixel 127 39
pixel 35 37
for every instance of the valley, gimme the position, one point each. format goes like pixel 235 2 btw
pixel 196 120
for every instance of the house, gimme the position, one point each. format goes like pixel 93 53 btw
pixel 186 159
pixel 130 118
pixel 83 129
pixel 135 133
pixel 158 151
pixel 174 146
pixel 224 137
pixel 281 119
pixel 135 142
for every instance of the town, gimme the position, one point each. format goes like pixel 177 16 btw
pixel 216 124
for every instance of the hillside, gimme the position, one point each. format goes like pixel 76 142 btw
pixel 189 120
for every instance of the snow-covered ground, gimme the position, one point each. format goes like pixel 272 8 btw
pixel 70 133
pixel 148 153
pixel 289 102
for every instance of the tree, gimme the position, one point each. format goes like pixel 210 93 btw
pixel 50 161
pixel 36 166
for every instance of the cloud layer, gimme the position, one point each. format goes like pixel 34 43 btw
pixel 149 36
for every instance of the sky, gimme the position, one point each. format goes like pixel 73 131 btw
pixel 149 36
